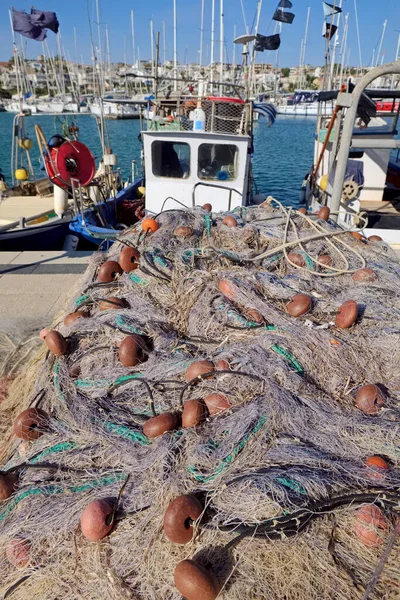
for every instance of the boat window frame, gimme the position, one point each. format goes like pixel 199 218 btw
pixel 215 179
pixel 186 175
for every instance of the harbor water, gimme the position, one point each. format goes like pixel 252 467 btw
pixel 282 153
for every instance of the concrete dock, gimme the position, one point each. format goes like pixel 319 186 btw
pixel 29 303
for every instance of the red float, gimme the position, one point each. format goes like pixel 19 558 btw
pixel 71 160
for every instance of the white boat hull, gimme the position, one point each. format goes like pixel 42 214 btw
pixel 50 107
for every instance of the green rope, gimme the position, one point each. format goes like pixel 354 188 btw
pixel 62 447
pixel 289 357
pixel 207 219
pixel 120 321
pixel 87 383
pixel 127 433
pixel 293 485
pixel 52 490
pixel 81 300
pixel 56 382
pixel 226 462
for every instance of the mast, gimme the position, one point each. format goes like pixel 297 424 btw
pixel 175 50
pixel 201 33
pixel 108 58
pixel 100 50
pixel 303 58
pixel 343 48
pixel 253 60
pixel 335 43
pixel 221 41
pixel 234 48
pixel 152 47
pixel 45 69
pixel 60 60
pixel 212 41
pixel 358 35
pixel 381 42
pixel 156 66
pixel 164 43
pixel 133 37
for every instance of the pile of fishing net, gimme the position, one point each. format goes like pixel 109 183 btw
pixel 215 414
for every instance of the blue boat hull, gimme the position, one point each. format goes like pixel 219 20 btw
pixel 49 236
pixel 89 227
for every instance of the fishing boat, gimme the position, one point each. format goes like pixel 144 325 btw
pixel 115 108
pixel 356 170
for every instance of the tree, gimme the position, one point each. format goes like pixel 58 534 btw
pixel 285 72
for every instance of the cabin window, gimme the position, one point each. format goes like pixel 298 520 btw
pixel 218 162
pixel 170 159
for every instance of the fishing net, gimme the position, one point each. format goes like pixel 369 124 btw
pixel 281 472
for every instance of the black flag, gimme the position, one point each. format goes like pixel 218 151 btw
pixel 285 4
pixel 330 31
pixel 283 17
pixel 23 25
pixel 45 19
pixel 267 42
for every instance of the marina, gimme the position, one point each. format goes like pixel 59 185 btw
pixel 200 315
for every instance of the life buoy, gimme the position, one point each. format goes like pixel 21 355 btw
pixel 71 160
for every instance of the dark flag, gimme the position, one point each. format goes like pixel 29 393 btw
pixel 330 31
pixel 285 4
pixel 45 19
pixel 330 9
pixel 267 42
pixel 283 17
pixel 22 24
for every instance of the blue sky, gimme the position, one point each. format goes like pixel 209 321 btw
pixel 116 14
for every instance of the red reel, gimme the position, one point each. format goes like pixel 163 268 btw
pixel 72 160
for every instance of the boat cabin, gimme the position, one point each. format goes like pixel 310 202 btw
pixel 190 165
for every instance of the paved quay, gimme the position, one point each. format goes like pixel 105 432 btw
pixel 33 287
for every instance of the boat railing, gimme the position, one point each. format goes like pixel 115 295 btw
pixel 222 115
pixel 350 103
pixel 215 185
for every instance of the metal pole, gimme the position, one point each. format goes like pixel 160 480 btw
pixel 334 47
pixel 152 47
pixel 100 50
pixel 381 42
pixel 348 126
pixel 133 37
pixel 253 59
pixel 175 47
pixel 201 32
pixel 164 43
pixel 156 66
pixel 344 49
pixel 212 41
pixel 358 34
pixel 221 41
pixel 305 43
pixel 234 47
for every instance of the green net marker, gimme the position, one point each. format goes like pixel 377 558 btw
pixel 126 432
pixel 226 462
pixel 207 219
pixel 90 383
pixel 139 280
pixel 289 357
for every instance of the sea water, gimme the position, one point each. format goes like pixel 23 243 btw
pixel 283 153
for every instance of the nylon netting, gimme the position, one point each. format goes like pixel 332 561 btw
pixel 284 468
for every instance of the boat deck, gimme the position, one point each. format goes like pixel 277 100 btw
pixel 15 207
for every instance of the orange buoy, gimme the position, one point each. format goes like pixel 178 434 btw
pixel 365 276
pixel 179 516
pixel 369 399
pixel 369 525
pixel 196 369
pixel 96 521
pixel 149 224
pixel 129 259
pixel 194 582
pixel 348 314
pixel 377 467
pixel 26 425
pixel 297 259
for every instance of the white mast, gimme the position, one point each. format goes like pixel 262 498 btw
pixel 133 37
pixel 212 40
pixel 164 43
pixel 221 41
pixel 343 48
pixel 303 58
pixel 108 58
pixel 175 49
pixel 358 34
pixel 380 43
pixel 152 47
pixel 100 50
pixel 234 48
pixel 201 32
pixel 335 43
pixel 259 7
